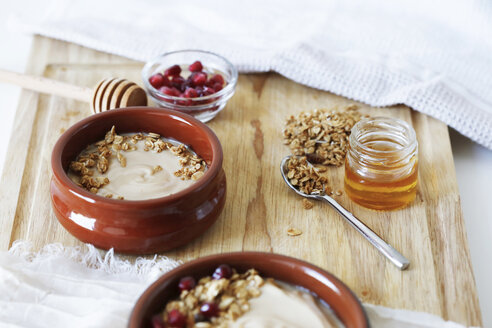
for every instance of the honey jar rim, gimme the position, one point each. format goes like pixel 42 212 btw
pixel 408 132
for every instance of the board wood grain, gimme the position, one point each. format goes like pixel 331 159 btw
pixel 259 208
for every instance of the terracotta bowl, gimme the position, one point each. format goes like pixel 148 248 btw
pixel 287 269
pixel 147 226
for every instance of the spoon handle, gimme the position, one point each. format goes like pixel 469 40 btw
pixel 383 247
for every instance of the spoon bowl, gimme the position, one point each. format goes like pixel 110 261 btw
pixel 284 170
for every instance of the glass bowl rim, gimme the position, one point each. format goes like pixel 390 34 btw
pixel 229 88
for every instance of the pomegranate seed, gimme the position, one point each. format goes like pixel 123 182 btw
pixel 217 87
pixel 166 82
pixel 179 83
pixel 176 319
pixel 158 322
pixel 209 310
pixel 188 83
pixel 174 70
pixel 190 93
pixel 196 67
pixel 223 271
pixel 170 91
pixel 199 78
pixel 207 91
pixel 178 80
pixel 199 90
pixel 187 283
pixel 157 80
pixel 217 78
pixel 188 102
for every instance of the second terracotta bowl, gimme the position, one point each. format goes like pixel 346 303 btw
pixel 147 226
pixel 283 268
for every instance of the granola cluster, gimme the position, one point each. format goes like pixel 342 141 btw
pixel 294 232
pixel 307 204
pixel 214 301
pixel 321 135
pixel 305 176
pixel 193 167
pixel 100 155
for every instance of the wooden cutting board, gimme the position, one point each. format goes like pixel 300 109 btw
pixel 259 208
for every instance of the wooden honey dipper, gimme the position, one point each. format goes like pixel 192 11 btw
pixel 108 94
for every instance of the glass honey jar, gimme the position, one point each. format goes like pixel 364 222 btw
pixel 381 166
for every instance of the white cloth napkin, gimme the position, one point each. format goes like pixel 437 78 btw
pixel 78 287
pixel 434 56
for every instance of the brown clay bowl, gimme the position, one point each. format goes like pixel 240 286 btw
pixel 287 269
pixel 138 227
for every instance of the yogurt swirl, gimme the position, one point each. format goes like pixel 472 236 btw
pixel 147 174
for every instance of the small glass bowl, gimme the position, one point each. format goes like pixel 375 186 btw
pixel 203 108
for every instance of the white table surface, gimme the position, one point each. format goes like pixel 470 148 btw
pixel 473 166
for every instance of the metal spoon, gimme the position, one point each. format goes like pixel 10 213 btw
pixel 386 249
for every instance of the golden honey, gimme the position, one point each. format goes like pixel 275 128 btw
pixel 381 166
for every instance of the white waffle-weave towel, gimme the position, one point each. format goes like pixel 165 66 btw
pixel 434 56
pixel 78 287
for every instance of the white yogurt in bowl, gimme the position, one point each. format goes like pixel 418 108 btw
pixel 281 305
pixel 136 166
